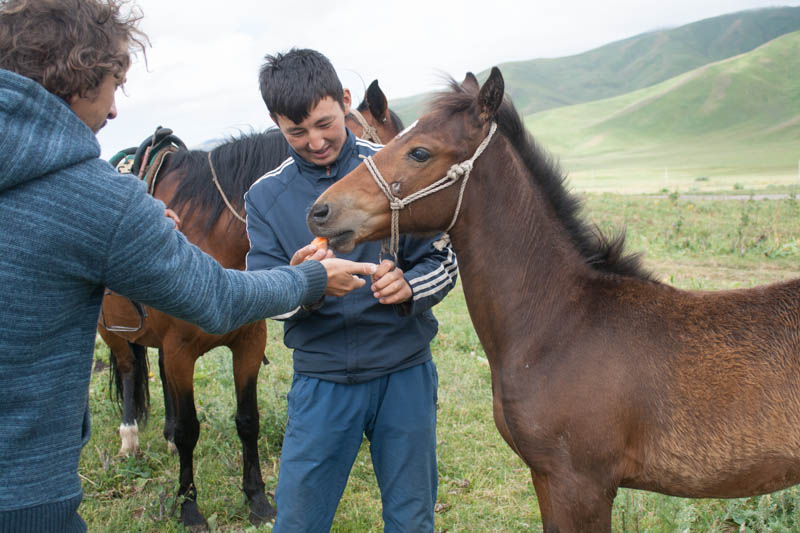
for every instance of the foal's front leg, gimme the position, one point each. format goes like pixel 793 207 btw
pixel 571 503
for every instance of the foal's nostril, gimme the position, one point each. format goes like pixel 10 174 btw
pixel 320 213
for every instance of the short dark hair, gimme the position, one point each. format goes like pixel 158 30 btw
pixel 293 83
pixel 69 46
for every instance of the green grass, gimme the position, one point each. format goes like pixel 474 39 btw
pixel 483 486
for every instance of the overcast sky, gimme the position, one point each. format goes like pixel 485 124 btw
pixel 202 69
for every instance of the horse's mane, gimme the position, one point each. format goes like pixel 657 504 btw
pixel 599 251
pixel 238 162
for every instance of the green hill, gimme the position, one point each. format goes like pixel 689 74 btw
pixel 735 118
pixel 632 63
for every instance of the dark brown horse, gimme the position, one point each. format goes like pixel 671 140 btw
pixel 601 376
pixel 185 185
pixel 372 119
pixel 184 181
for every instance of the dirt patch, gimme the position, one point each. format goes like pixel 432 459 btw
pixel 783 125
pixel 685 274
pixel 721 84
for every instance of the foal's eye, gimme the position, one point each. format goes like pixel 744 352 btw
pixel 419 154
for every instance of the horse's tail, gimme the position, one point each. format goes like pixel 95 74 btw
pixel 139 382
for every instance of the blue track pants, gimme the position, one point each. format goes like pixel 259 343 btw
pixel 327 422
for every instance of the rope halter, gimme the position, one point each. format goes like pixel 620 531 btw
pixel 370 132
pixel 456 172
pixel 239 217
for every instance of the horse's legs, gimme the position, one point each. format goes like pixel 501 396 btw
pixel 541 487
pixel 572 503
pixel 248 352
pixel 169 408
pixel 179 372
pixel 135 399
pixel 129 373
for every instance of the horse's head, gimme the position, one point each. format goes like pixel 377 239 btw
pixel 372 119
pixel 433 150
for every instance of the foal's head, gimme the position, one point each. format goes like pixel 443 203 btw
pixel 356 209
pixel 382 124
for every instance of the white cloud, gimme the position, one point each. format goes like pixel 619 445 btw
pixel 203 65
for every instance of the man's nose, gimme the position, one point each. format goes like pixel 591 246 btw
pixel 316 141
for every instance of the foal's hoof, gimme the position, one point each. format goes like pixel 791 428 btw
pixel 261 511
pixel 192 518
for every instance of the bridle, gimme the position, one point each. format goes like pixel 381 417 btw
pixel 222 193
pixel 456 172
pixel 370 132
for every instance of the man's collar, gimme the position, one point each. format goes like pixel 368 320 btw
pixel 330 171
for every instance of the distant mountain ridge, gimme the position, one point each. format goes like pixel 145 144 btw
pixel 630 64
pixel 741 112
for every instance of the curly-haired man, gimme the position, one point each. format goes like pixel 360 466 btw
pixel 70 226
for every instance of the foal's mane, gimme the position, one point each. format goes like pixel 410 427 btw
pixel 238 162
pixel 599 251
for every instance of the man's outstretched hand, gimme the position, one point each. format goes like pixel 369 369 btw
pixel 343 275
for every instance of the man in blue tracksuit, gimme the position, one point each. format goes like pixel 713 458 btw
pixel 362 362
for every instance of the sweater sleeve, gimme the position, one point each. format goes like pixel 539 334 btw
pixel 265 254
pixel 158 267
pixel 430 272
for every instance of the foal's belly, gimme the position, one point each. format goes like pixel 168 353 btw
pixel 737 481
pixel 725 457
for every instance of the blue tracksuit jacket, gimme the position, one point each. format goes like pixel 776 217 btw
pixel 354 338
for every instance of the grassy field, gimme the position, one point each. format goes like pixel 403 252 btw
pixel 693 244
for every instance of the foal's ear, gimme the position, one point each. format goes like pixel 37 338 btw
pixel 470 82
pixel 376 100
pixel 491 95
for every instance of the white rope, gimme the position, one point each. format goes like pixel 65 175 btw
pixel 222 193
pixel 370 132
pixel 454 173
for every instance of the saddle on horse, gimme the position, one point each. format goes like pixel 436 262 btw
pixel 145 161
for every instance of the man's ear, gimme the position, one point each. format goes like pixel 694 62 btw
pixel 346 98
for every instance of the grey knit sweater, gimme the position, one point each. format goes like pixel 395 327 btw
pixel 70 226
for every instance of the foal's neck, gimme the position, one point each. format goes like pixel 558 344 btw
pixel 515 257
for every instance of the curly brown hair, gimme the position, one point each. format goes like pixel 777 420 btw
pixel 69 46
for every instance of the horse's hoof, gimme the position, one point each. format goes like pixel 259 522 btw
pixel 129 435
pixel 261 511
pixel 258 520
pixel 192 518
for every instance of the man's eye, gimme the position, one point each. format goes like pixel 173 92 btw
pixel 419 154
